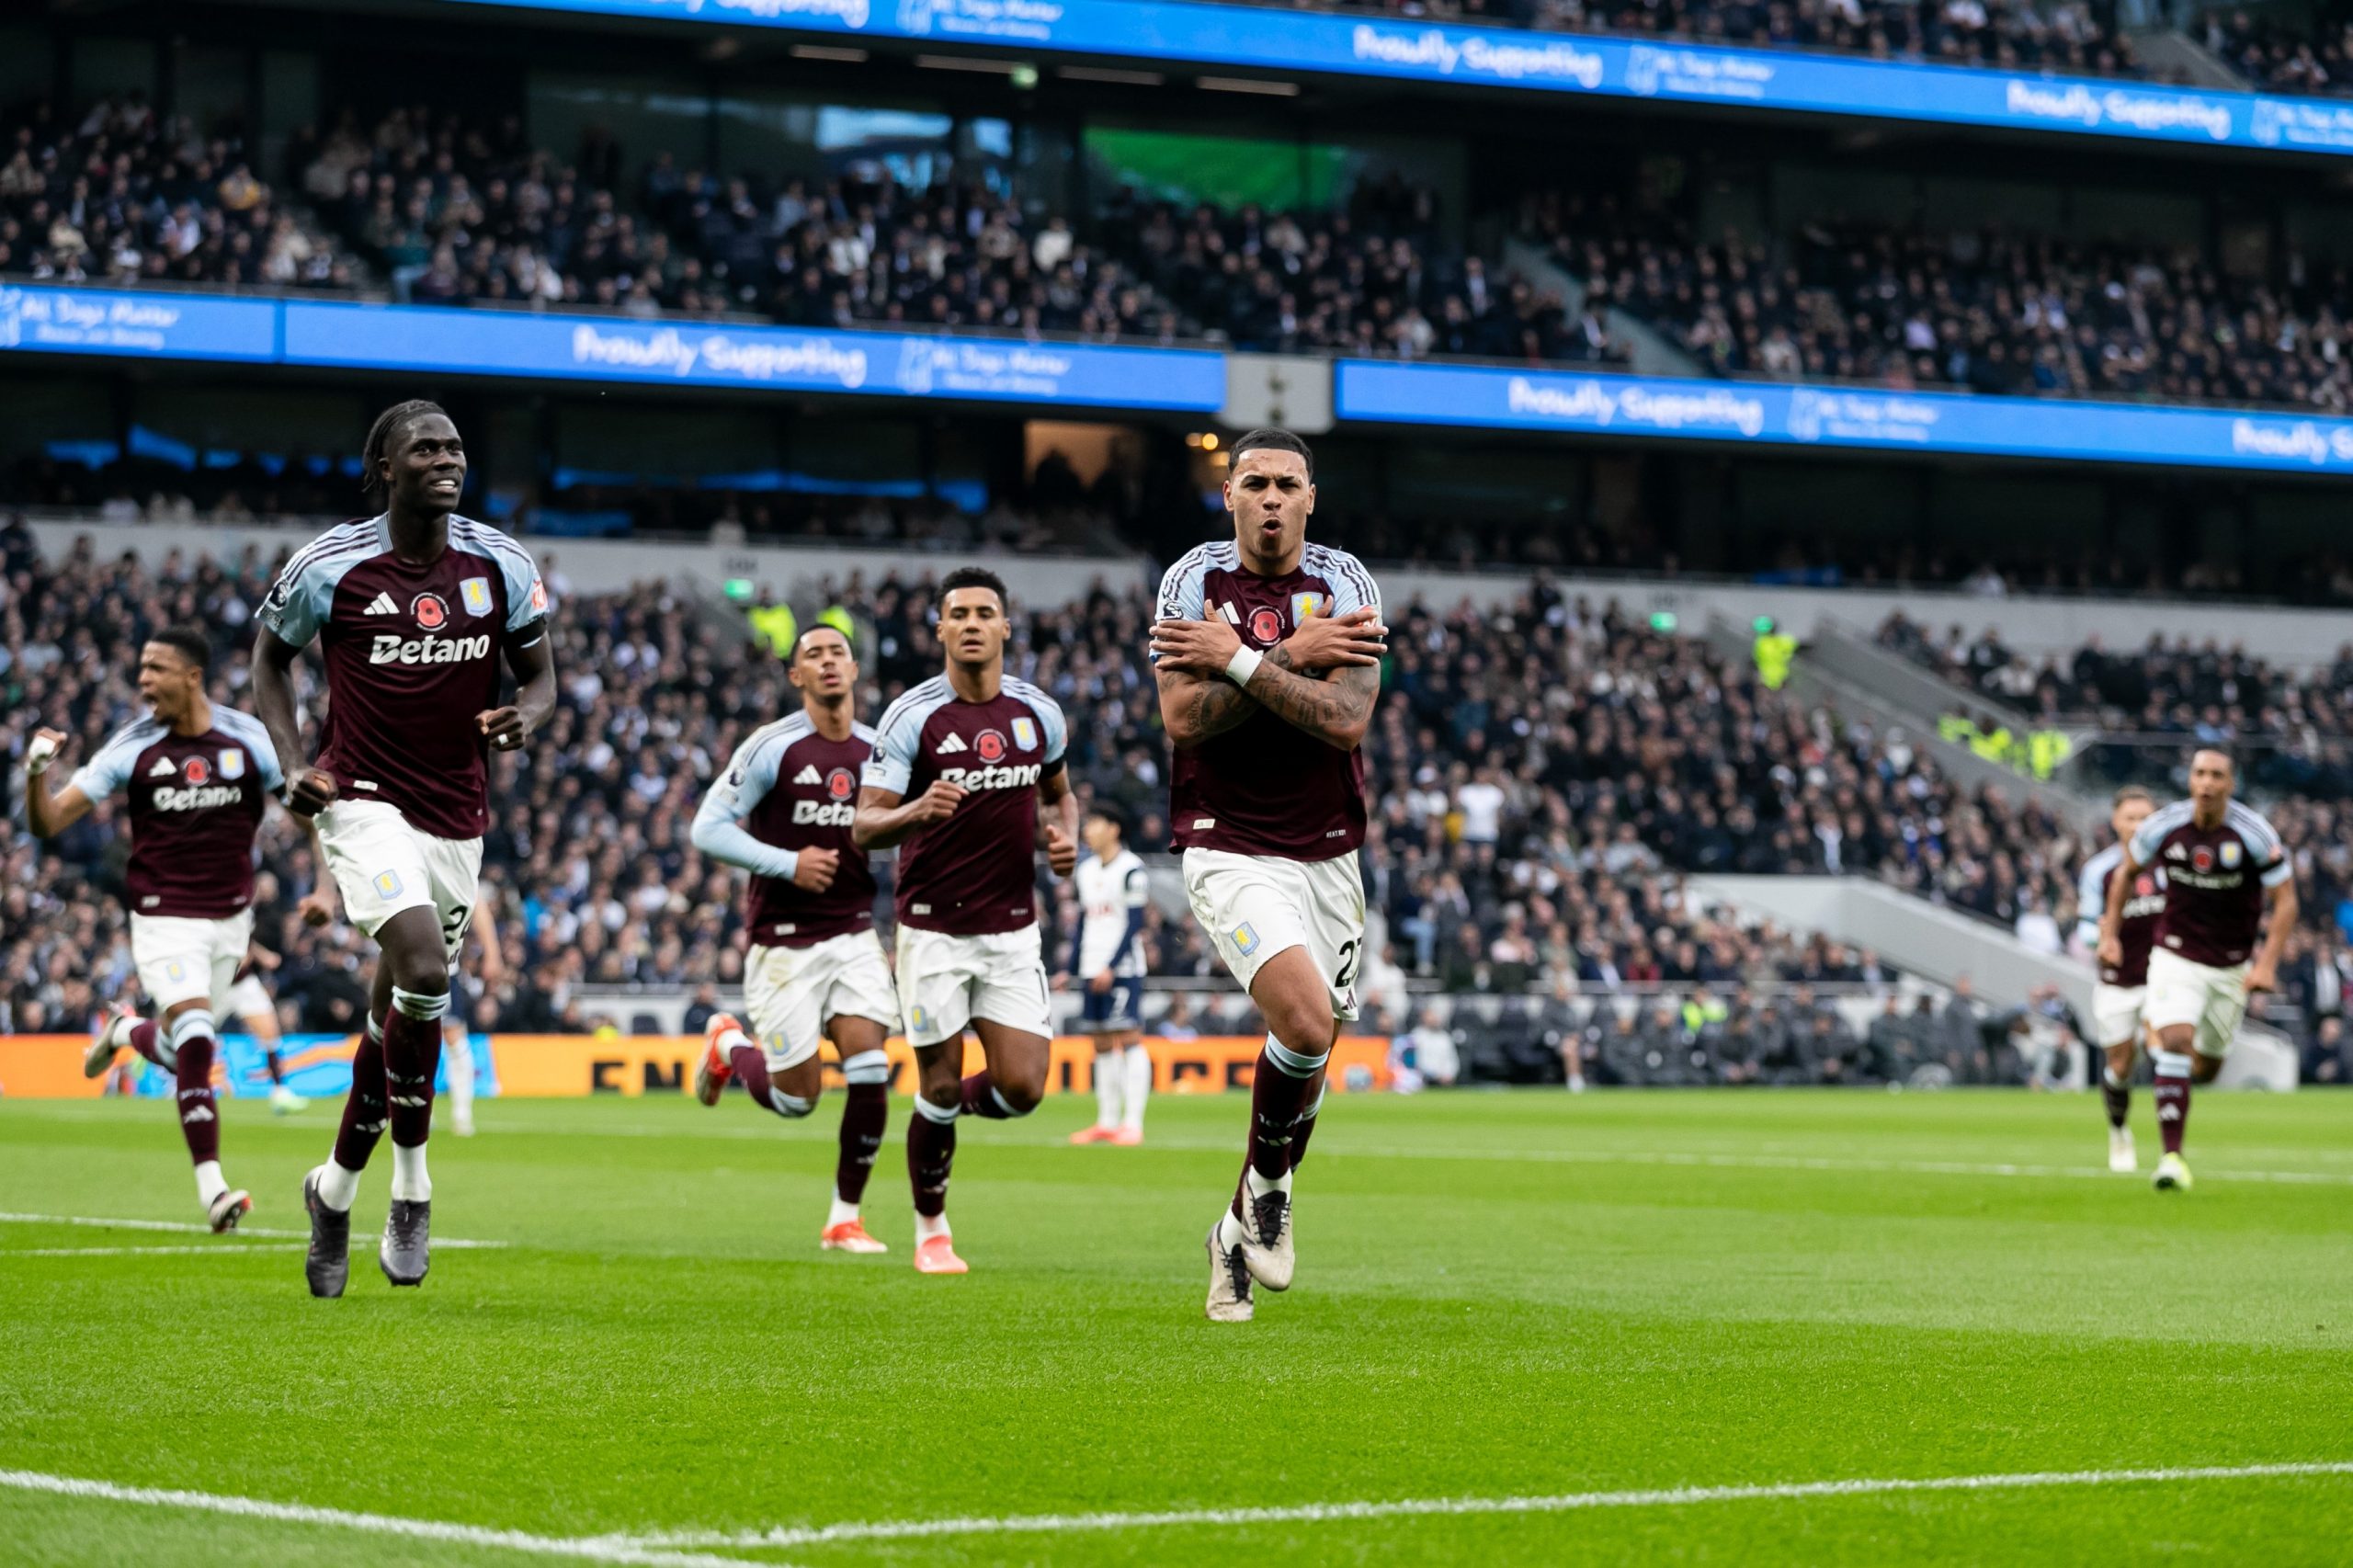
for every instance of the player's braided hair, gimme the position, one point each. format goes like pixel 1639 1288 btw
pixel 381 435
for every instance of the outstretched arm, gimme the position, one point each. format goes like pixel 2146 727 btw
pixel 48 815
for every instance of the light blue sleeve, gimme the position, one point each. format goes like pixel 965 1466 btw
pixel 1180 591
pixel 893 763
pixel 2091 901
pixel 1352 586
pixel 528 598
pixel 1050 720
pixel 298 601
pixel 718 828
pixel 109 770
pixel 2151 833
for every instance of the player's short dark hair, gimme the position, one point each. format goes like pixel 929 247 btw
pixel 2223 752
pixel 1271 439
pixel 384 432
pixel 2132 792
pixel 188 643
pixel 975 577
pixel 805 632
pixel 1111 811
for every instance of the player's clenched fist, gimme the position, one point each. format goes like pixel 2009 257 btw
pixel 309 791
pixel 44 749
pixel 938 803
pixel 1337 641
pixel 504 728
pixel 814 868
pixel 1062 851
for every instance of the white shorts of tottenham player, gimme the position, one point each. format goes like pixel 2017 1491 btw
pixel 248 999
pixel 945 982
pixel 1255 906
pixel 189 960
pixel 790 992
pixel 2212 1000
pixel 383 866
pixel 2117 1012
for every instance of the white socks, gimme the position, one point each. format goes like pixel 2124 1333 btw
pixel 1138 1086
pixel 338 1189
pixel 410 1183
pixel 1108 1087
pixel 928 1227
pixel 841 1213
pixel 210 1183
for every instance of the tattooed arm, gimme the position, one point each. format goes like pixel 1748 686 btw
pixel 1198 700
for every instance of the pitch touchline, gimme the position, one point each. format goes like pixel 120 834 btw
pixel 603 1550
pixel 102 1223
pixel 1315 1512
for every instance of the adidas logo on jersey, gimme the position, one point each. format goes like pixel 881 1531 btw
pixel 164 768
pixel 807 776
pixel 382 605
pixel 951 744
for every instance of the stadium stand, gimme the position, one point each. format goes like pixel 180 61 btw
pixel 1985 310
pixel 121 195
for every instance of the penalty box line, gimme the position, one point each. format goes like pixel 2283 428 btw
pixel 1326 1513
pixel 597 1549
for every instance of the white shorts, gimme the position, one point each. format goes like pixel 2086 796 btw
pixel 2212 1000
pixel 945 982
pixel 1255 906
pixel 2116 1013
pixel 248 1000
pixel 790 993
pixel 382 865
pixel 182 959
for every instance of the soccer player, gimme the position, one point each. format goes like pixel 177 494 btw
pixel 2120 997
pixel 816 970
pixel 412 609
pixel 1106 958
pixel 2224 866
pixel 196 776
pixel 960 763
pixel 1268 650
pixel 249 1003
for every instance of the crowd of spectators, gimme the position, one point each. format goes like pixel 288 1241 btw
pixel 120 195
pixel 2293 732
pixel 1985 311
pixel 2280 61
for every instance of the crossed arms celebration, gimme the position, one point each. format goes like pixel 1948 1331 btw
pixel 1323 678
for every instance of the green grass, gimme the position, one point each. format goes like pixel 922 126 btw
pixel 1499 1295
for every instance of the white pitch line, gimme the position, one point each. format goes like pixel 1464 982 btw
pixel 1323 1513
pixel 597 1550
pixel 232 1249
pixel 102 1223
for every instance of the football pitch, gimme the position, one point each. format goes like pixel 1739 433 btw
pixel 1800 1327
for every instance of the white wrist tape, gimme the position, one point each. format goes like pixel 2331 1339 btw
pixel 39 755
pixel 1242 665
